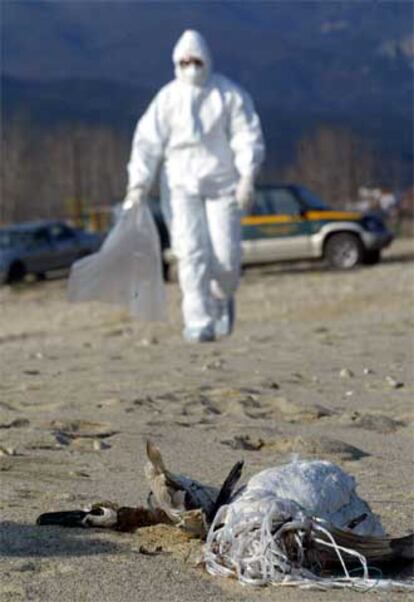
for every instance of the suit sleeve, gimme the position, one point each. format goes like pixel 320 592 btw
pixel 246 137
pixel 147 146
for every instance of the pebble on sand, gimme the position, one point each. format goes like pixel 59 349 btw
pixel 393 383
pixel 346 373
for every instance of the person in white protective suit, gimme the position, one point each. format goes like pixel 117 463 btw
pixel 203 130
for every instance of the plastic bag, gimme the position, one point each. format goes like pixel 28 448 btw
pixel 127 269
pixel 247 537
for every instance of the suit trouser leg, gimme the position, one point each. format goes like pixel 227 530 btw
pixel 223 217
pixel 192 247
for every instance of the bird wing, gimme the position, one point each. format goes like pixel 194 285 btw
pixel 375 549
pixel 176 493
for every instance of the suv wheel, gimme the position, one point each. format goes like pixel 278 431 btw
pixel 343 251
pixel 17 272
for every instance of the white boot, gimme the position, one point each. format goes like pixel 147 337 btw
pixel 225 316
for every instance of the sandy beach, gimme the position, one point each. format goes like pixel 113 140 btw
pixel 320 365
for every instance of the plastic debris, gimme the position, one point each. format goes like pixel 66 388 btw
pixel 126 270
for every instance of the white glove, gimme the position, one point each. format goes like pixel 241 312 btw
pixel 136 196
pixel 245 193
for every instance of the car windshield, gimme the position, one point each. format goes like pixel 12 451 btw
pixel 312 200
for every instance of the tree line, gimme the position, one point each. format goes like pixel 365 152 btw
pixel 47 173
pixel 54 172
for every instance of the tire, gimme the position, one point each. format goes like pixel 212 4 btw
pixel 172 271
pixel 343 251
pixel 83 254
pixel 17 272
pixel 166 272
pixel 371 257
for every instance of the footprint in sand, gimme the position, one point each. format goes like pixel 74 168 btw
pixel 322 447
pixel 379 423
pixel 82 428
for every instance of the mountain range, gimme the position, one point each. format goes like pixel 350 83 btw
pixel 304 62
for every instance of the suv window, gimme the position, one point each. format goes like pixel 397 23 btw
pixel 59 232
pixel 282 201
pixel 276 201
pixel 260 205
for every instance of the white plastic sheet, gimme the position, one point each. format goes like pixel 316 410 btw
pixel 127 270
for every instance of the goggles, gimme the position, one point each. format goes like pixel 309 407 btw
pixel 191 61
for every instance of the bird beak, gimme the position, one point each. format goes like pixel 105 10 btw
pixel 71 518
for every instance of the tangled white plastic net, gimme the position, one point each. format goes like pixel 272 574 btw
pixel 248 537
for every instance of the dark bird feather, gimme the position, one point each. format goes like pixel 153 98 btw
pixel 226 491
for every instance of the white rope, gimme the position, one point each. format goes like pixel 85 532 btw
pixel 338 549
pixel 242 544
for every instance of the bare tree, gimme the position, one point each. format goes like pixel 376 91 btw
pixel 334 163
pixel 15 157
pixel 60 172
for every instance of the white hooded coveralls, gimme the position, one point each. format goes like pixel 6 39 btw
pixel 206 136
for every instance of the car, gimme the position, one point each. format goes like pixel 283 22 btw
pixel 39 247
pixel 289 222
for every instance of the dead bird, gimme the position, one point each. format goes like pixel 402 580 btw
pixel 293 521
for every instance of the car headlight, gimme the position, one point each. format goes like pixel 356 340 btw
pixel 372 223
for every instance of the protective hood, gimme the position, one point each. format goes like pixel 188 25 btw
pixel 192 44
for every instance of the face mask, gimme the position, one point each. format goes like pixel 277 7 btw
pixel 191 74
